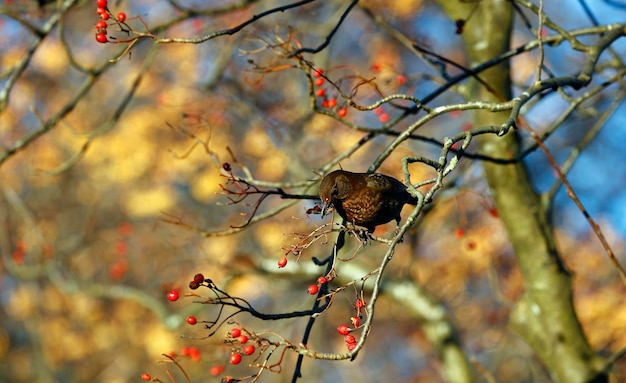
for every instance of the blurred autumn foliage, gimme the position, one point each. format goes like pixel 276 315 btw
pixel 113 190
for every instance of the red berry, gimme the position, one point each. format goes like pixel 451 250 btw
pixel 101 25
pixel 356 321
pixel 459 232
pixel 322 280
pixel 100 11
pixel 325 104
pixel 342 112
pixel 226 166
pixel 172 295
pixel 359 304
pixel 191 320
pixel 349 339
pixel 194 354
pixel 105 16
pixel 455 113
pixel 101 38
pixel 145 376
pixel 124 228
pixel 378 111
pixel 193 285
pixel 383 118
pixel 343 329
pixel 235 358
pixel 320 92
pixel 191 352
pixel 121 17
pixel 216 370
pixel 332 103
pixel 317 72
pixel 101 3
pixel 235 332
pixel 313 289
pixel 401 79
pixel 185 351
pixel 249 349
pixel 243 339
pixel 319 81
pixel 282 262
pixel 198 278
pixel 351 346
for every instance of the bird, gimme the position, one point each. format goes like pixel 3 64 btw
pixel 364 199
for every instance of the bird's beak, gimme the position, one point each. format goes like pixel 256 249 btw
pixel 326 207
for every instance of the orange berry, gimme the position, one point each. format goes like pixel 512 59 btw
pixel 282 262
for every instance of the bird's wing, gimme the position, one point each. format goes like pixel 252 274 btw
pixel 386 183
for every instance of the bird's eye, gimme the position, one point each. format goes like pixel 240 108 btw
pixel 335 191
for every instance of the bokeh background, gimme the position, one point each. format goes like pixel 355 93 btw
pixel 87 244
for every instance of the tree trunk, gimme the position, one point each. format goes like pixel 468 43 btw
pixel 545 315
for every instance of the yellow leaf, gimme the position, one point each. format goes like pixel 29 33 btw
pixel 144 203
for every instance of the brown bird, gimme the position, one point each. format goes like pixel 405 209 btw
pixel 364 199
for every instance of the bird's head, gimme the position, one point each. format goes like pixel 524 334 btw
pixel 335 187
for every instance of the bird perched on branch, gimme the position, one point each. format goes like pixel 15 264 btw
pixel 364 199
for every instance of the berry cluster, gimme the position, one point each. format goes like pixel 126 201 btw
pixel 199 280
pixel 189 351
pixel 120 267
pixel 327 102
pixel 192 352
pixel 347 337
pixel 236 337
pixel 313 289
pixel 397 78
pixel 101 26
pixel 345 330
pixel 382 115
